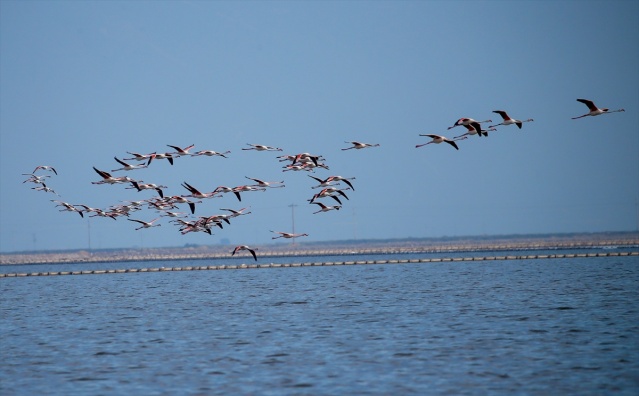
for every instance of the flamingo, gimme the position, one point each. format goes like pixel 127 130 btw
pixel 219 218
pixel 140 157
pixel 128 167
pixel 193 227
pixel 216 220
pixel 287 235
pixel 161 204
pixel 122 210
pixel 594 110
pixel 473 131
pixel 360 145
pixel 45 167
pixel 262 183
pixel 67 207
pixel 89 209
pixel 167 156
pixel 328 192
pixel 261 147
pixel 508 120
pixel 237 190
pixel 178 199
pixel 305 158
pixel 297 168
pixel 327 182
pixel 44 188
pixel 239 212
pixel 337 178
pixel 322 182
pixel 469 121
pixel 102 213
pixel 196 228
pixel 222 189
pixel 195 193
pixel 324 208
pixel 211 153
pixel 34 178
pixel 244 247
pixel 310 166
pixel 148 186
pixel 108 179
pixel 174 214
pixel 181 151
pixel 146 224
pixel 438 139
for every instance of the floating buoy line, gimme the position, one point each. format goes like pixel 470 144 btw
pixel 322 264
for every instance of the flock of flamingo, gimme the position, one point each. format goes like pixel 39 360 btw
pixel 166 205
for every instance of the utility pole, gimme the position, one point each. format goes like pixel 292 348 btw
pixel 292 206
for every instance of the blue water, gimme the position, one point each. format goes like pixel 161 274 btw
pixel 538 327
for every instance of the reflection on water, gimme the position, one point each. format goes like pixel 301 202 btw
pixel 560 326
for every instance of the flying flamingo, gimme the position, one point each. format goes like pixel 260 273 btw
pixel 34 178
pixel 438 139
pixel 178 199
pixel 195 193
pixel 360 145
pixel 44 188
pixel 222 189
pixel 211 153
pixel 174 214
pixel 261 147
pixel 67 207
pixel 304 158
pixel 304 167
pixel 594 110
pixel 262 183
pixel 161 204
pixel 140 157
pixel 324 208
pixel 239 212
pixel 332 179
pixel 108 179
pixel 45 167
pixel 337 178
pixel 89 209
pixel 146 224
pixel 237 190
pixel 287 235
pixel 508 120
pixel 192 227
pixel 473 131
pixel 322 182
pixel 328 192
pixel 148 186
pixel 127 167
pixel 469 121
pixel 181 151
pixel 244 247
pixel 102 213
pixel 167 156
pixel 310 166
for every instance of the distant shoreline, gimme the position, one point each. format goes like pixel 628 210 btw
pixel 399 246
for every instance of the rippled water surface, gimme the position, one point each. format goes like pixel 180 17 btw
pixel 555 326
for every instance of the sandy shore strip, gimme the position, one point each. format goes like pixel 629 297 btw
pixel 403 246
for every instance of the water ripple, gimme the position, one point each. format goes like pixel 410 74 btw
pixel 532 327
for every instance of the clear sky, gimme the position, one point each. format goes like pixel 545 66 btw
pixel 84 81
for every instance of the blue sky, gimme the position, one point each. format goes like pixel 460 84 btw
pixel 82 82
